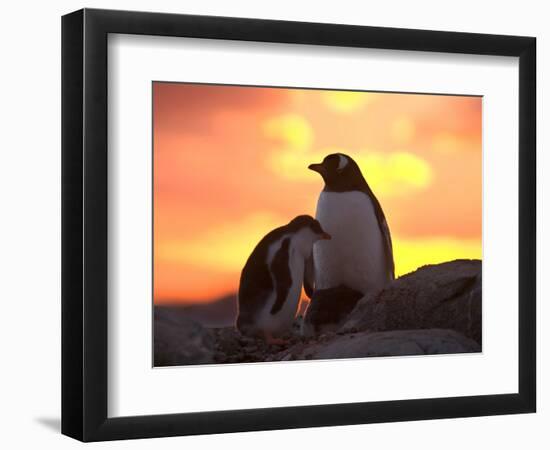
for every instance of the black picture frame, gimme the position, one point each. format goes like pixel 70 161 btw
pixel 84 224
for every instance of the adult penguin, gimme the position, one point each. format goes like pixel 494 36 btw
pixel 360 254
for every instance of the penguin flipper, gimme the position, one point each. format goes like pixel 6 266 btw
pixel 283 279
pixel 255 286
pixel 390 265
pixel 386 235
pixel 309 276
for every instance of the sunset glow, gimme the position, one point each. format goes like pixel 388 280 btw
pixel 230 164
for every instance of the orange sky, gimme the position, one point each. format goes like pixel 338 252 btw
pixel 230 164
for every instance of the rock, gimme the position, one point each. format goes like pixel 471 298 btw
pixel 391 343
pixel 446 296
pixel 328 309
pixel 228 340
pixel 180 341
pixel 434 310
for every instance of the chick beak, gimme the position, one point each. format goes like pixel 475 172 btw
pixel 326 236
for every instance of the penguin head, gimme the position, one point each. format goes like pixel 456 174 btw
pixel 307 231
pixel 340 173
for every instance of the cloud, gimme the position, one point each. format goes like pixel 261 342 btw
pixel 196 108
pixel 403 130
pixel 346 102
pixel 224 247
pixel 391 174
pixel 448 143
pixel 410 254
pixel 394 173
pixel 388 173
pixel 292 130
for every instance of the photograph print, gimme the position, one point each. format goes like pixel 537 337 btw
pixel 295 224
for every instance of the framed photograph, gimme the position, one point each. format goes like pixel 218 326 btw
pixel 272 224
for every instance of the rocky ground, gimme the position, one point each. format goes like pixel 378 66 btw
pixel 434 310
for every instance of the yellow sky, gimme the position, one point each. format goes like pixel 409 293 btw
pixel 230 164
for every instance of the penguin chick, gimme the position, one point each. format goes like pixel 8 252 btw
pixel 271 280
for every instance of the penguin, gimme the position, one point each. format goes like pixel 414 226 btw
pixel 271 280
pixel 360 254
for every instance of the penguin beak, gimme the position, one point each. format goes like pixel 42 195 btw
pixel 319 168
pixel 326 236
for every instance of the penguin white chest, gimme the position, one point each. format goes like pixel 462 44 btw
pixel 355 255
